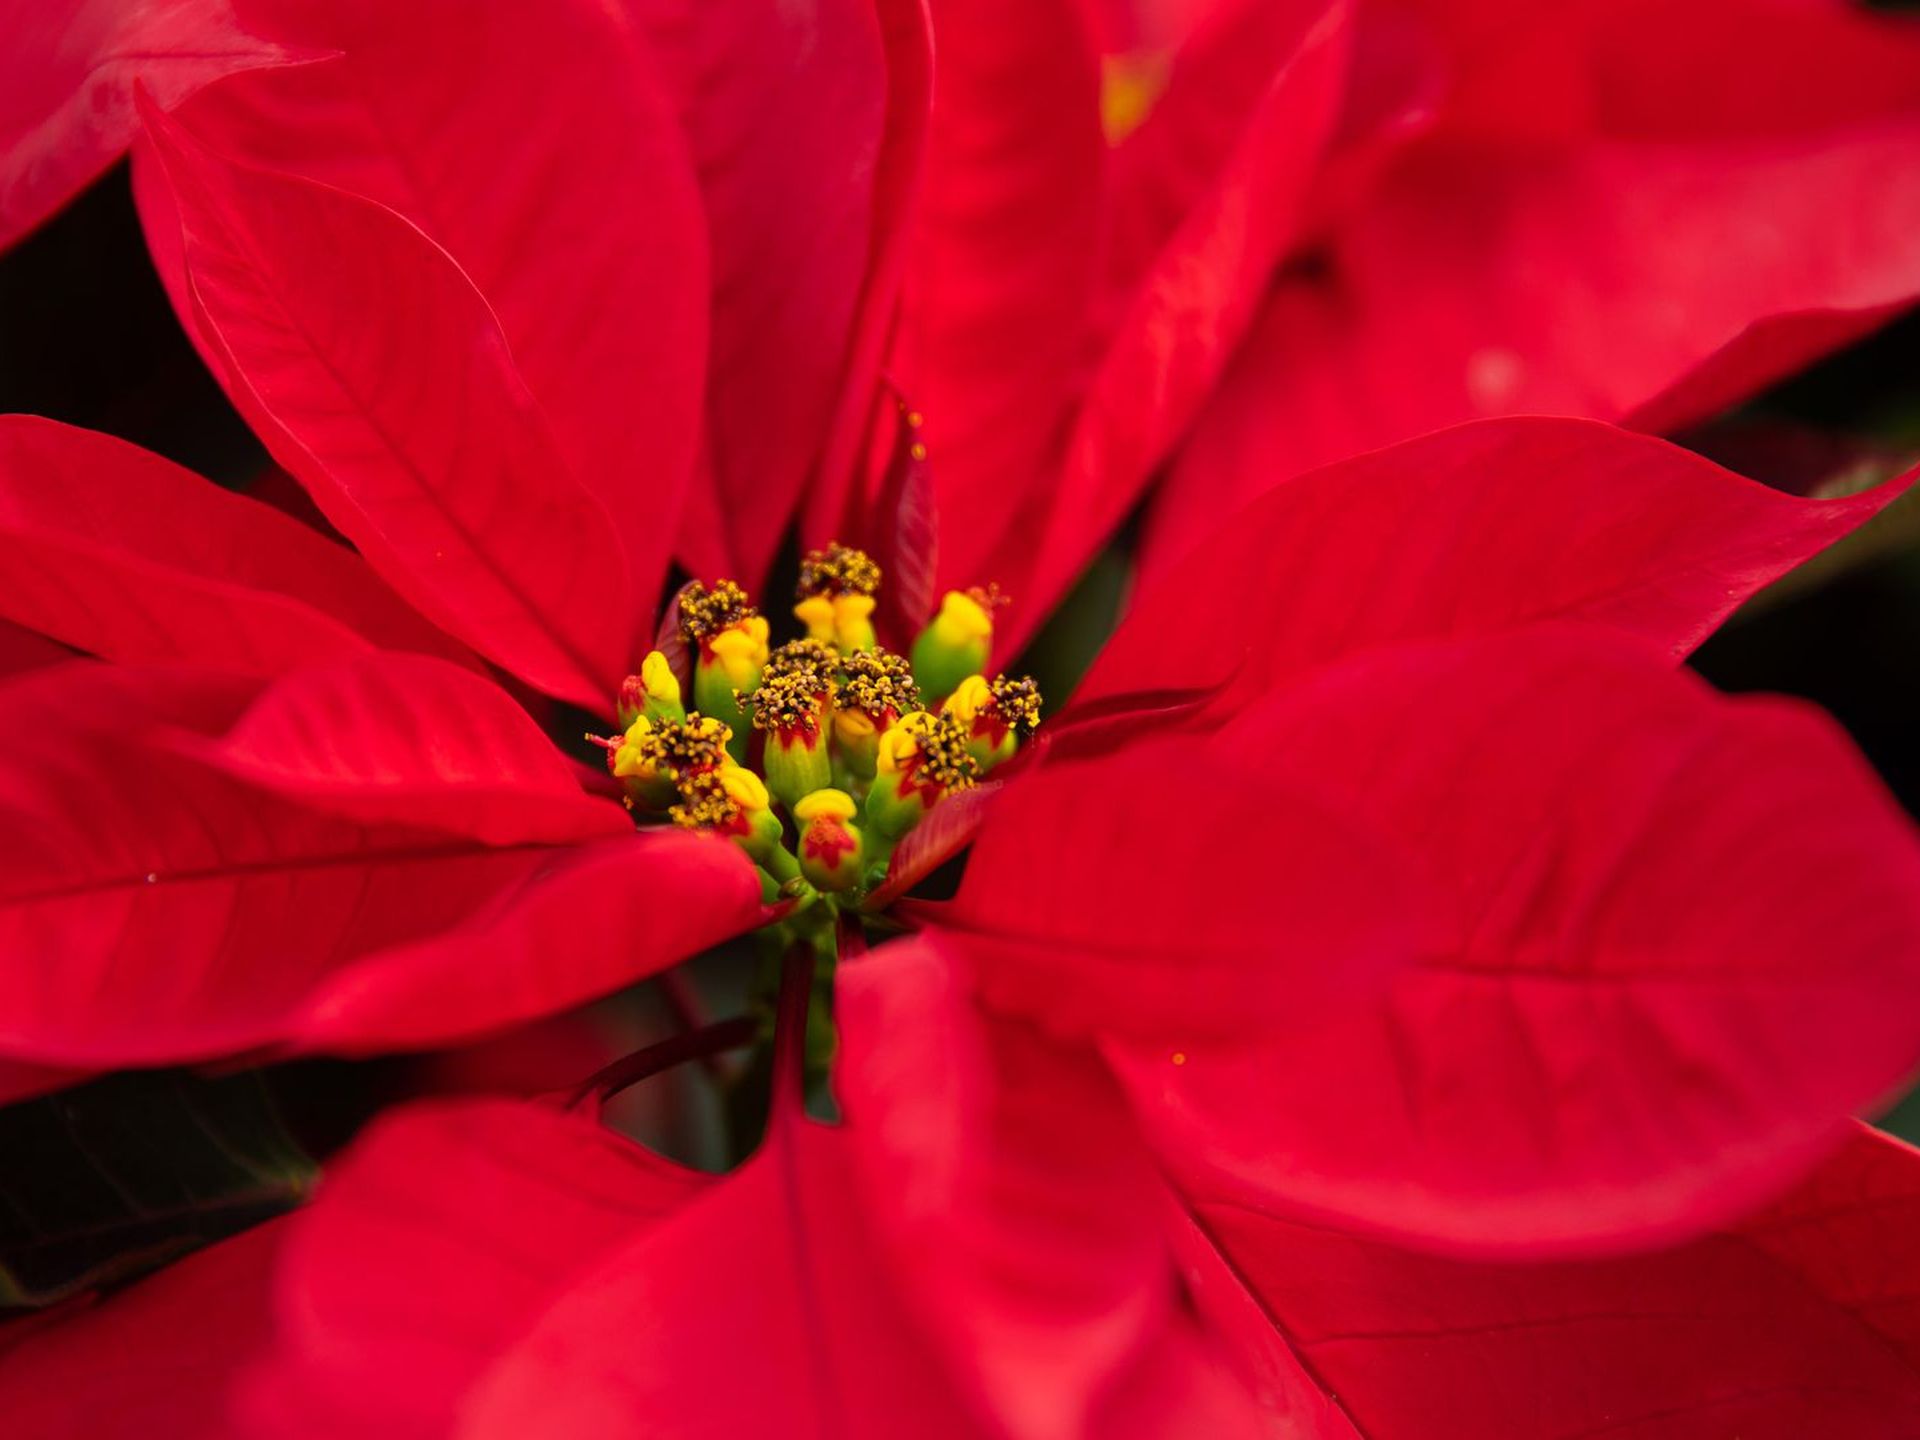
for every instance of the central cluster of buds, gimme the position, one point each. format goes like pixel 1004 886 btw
pixel 818 755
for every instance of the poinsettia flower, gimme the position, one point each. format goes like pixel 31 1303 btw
pixel 462 396
pixel 1415 825
pixel 1740 1044
pixel 66 110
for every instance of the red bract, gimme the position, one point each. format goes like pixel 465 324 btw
pixel 1383 887
pixel 67 113
pixel 1534 210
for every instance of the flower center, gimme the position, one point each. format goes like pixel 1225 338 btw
pixel 819 755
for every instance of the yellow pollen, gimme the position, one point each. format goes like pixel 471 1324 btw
pixel 837 570
pixel 705 611
pixel 672 749
pixel 790 702
pixel 807 656
pixel 878 682
pixel 704 802
pixel 1179 1057
pixel 1017 701
pixel 944 756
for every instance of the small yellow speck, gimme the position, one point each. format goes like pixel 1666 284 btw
pixel 915 419
pixel 1179 1057
pixel 917 450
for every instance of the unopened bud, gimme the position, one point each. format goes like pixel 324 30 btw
pixel 831 851
pixel 654 693
pixel 955 644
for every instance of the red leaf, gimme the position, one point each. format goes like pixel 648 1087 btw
pixel 1476 530
pixel 948 829
pixel 671 643
pixel 1683 946
pixel 1000 281
pixel 1602 224
pixel 158 1358
pixel 1798 1324
pixel 437 1240
pixel 1189 311
pixel 558 932
pixel 119 552
pixel 902 532
pixel 407 740
pixel 1242 903
pixel 536 1275
pixel 154 910
pixel 782 108
pixel 571 206
pixel 407 421
pixel 1008 1185
pixel 66 87
pixel 774 1262
pixel 840 484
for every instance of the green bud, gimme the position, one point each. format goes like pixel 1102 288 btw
pixel 831 852
pixel 954 645
pixel 797 764
pixel 654 693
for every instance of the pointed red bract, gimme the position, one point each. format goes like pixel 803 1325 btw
pixel 435 1245
pixel 378 376
pixel 1684 946
pixel 1475 530
pixel 1251 902
pixel 159 1358
pixel 982 1148
pixel 833 502
pixel 1189 310
pixel 66 86
pixel 775 1262
pixel 1602 222
pixel 558 931
pixel 1796 1325
pixel 993 326
pixel 782 109
pixel 407 740
pixel 948 829
pixel 116 551
pixel 154 909
pixel 572 207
